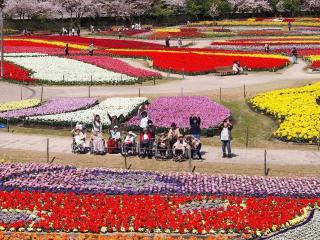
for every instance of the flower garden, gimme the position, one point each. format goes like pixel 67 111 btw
pixel 296 109
pixel 75 200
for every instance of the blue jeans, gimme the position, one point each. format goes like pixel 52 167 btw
pixel 294 59
pixel 197 135
pixel 226 146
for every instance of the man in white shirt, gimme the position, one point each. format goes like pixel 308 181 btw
pixel 225 137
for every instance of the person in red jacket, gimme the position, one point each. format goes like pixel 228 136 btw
pixel 146 143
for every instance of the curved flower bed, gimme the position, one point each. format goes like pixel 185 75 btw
pixel 120 107
pixel 49 198
pixel 55 106
pixel 56 70
pixel 297 110
pixel 16 73
pixel 194 61
pixel 18 105
pixel 116 65
pixel 165 110
pixel 55 178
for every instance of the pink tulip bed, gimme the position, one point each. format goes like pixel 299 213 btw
pixel 166 110
pixel 116 65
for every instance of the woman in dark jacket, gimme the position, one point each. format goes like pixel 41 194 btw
pixel 195 123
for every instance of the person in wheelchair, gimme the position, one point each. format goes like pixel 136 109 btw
pixel 163 146
pixel 195 145
pixel 79 139
pixel 146 142
pixel 129 143
pixel 97 143
pixel 180 149
pixel 114 142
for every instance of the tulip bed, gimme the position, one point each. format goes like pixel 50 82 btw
pixel 68 71
pixel 165 110
pixel 55 106
pixel 116 65
pixel 50 198
pixel 195 61
pixel 123 108
pixel 16 73
pixel 297 110
pixel 9 106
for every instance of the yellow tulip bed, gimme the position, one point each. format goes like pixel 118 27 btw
pixel 19 105
pixel 296 109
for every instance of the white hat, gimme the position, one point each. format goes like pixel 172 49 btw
pixel 115 126
pixel 130 133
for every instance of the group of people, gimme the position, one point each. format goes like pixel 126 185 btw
pixel 237 68
pixel 70 32
pixel 172 144
pixel 168 39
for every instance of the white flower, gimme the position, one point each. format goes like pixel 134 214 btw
pixel 57 69
pixel 113 106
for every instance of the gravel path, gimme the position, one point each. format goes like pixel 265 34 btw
pixel 211 154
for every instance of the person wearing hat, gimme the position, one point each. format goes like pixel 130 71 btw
pixel 130 140
pixel 114 140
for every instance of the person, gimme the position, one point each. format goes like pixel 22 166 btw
pixel 152 129
pixel 225 137
pixel 114 120
pixel 97 124
pixel 79 137
pixel 73 31
pixel 167 42
pixel 237 69
pixel 318 100
pixel 91 49
pixel 266 48
pixel 98 146
pixel 114 140
pixel 173 134
pixel 143 108
pixel 143 120
pixel 180 148
pixel 66 50
pixel 146 143
pixel 91 28
pixel 120 34
pixel 195 145
pixel 179 42
pixel 195 122
pixel 162 145
pixel 78 31
pixel 129 141
pixel 289 26
pixel 294 54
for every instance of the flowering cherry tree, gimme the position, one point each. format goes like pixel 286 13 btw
pixel 250 6
pixel 26 8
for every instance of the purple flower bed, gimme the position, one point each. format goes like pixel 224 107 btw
pixel 55 178
pixel 55 106
pixel 166 110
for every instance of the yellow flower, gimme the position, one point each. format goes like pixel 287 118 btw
pixel 19 105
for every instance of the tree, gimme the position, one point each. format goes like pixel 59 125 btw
pixel 313 6
pixel 76 9
pixel 289 6
pixel 26 8
pixel 250 6
pixel 219 7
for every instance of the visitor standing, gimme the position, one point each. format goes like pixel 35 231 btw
pixel 78 31
pixel 120 34
pixel 168 42
pixel 266 48
pixel 294 54
pixel 73 31
pixel 91 49
pixel 289 26
pixel 180 43
pixel 195 122
pixel 225 137
pixel 66 50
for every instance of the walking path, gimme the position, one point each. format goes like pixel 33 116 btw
pixel 189 85
pixel 212 154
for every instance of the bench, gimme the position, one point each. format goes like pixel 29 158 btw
pixel 225 71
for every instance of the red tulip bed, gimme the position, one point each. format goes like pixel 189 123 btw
pixel 116 65
pixel 194 62
pixel 53 198
pixel 16 73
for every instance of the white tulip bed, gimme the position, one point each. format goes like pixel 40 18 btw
pixel 120 107
pixel 58 70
